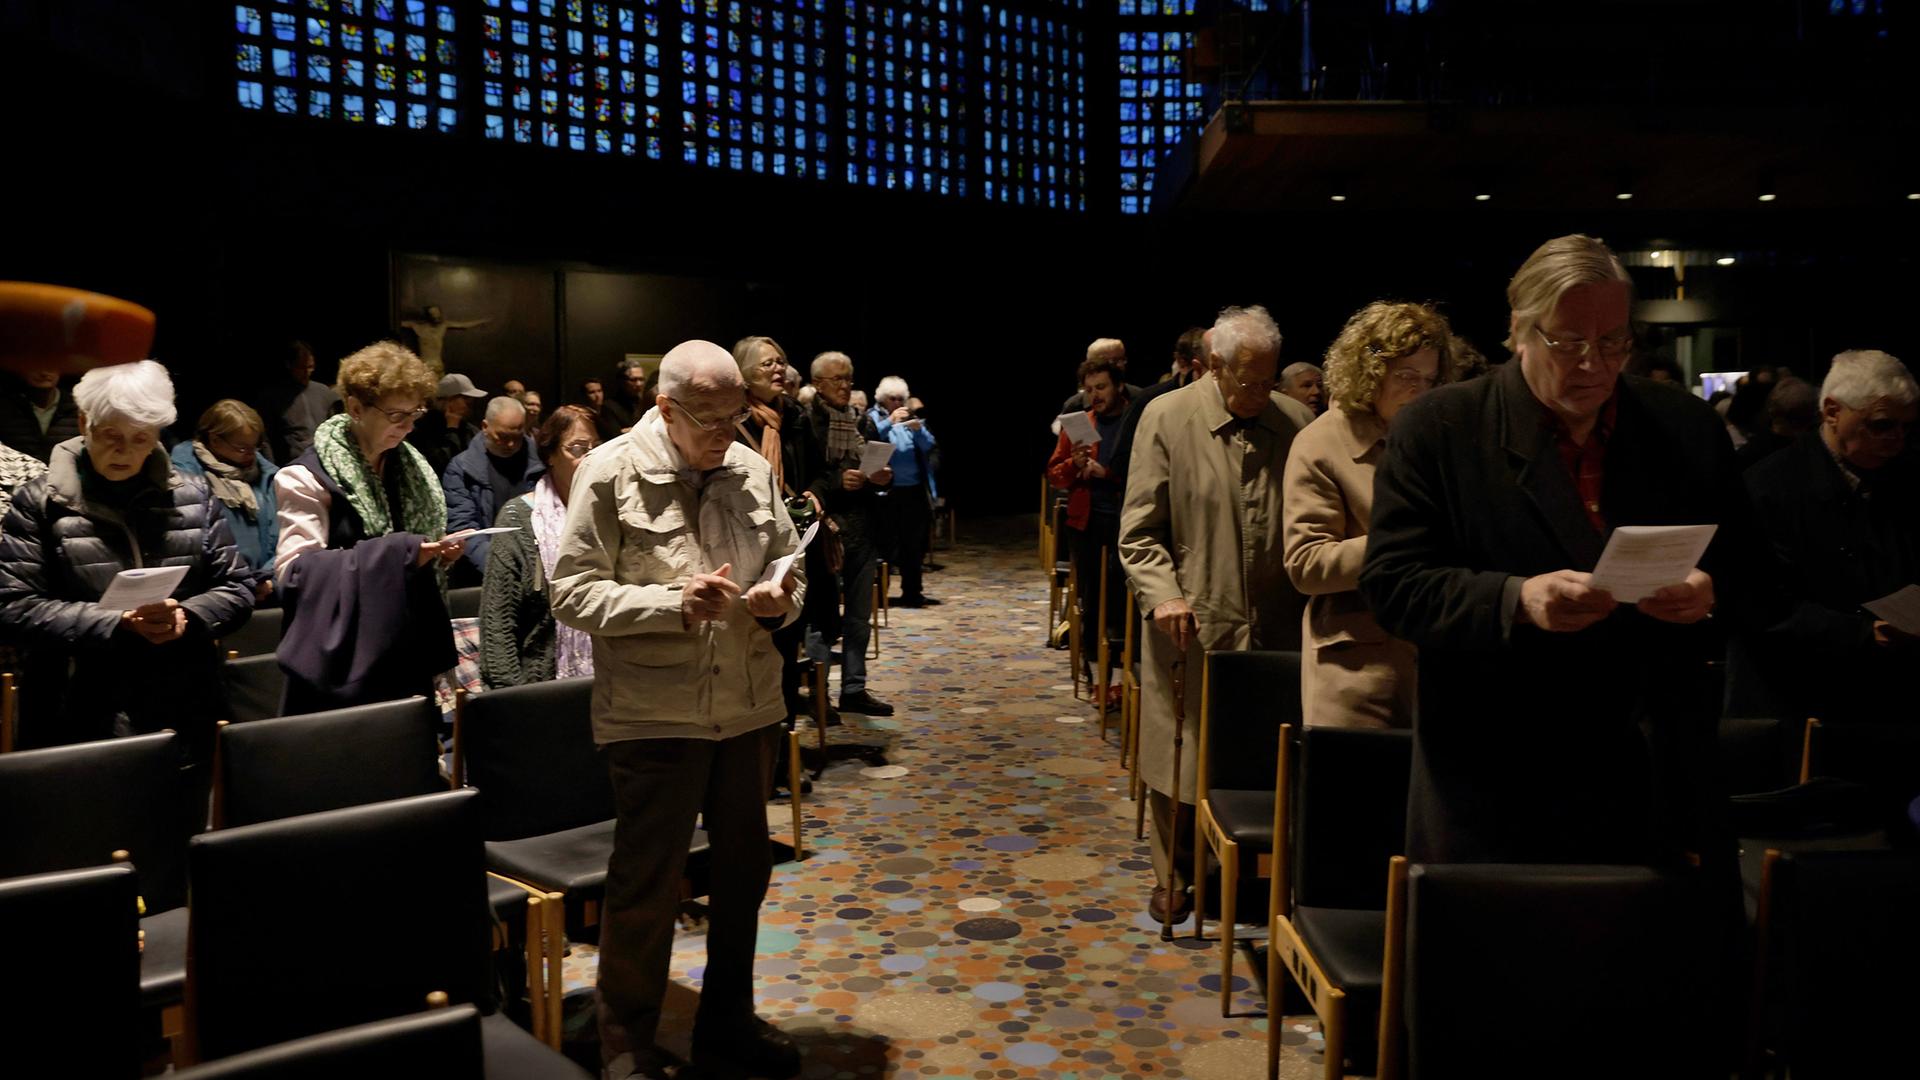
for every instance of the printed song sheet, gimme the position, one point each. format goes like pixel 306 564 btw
pixel 1640 560
pixel 875 457
pixel 1079 428
pixel 777 569
pixel 1902 609
pixel 133 589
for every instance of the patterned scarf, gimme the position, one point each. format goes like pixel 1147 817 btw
pixel 423 504
pixel 769 418
pixel 844 441
pixel 573 649
pixel 232 485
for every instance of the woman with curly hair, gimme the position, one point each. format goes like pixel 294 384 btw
pixel 362 554
pixel 1352 673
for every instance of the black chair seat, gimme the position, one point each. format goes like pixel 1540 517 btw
pixel 439 1042
pixel 163 960
pixel 509 902
pixel 566 861
pixel 464 603
pixel 1246 816
pixel 1350 944
pixel 260 636
pixel 512 1054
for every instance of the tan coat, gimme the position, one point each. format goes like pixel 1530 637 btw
pixel 636 532
pixel 1352 673
pixel 1202 521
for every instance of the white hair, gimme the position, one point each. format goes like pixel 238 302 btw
pixel 1111 347
pixel 695 366
pixel 804 395
pixel 1297 369
pixel 828 360
pixel 499 407
pixel 1860 377
pixel 891 386
pixel 1240 330
pixel 140 393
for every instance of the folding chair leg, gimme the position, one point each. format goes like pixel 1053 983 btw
pixel 1202 840
pixel 536 969
pixel 793 789
pixel 886 591
pixel 556 913
pixel 1333 1025
pixel 1276 994
pixel 1229 885
pixel 820 706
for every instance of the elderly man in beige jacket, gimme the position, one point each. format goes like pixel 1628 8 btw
pixel 669 531
pixel 1200 540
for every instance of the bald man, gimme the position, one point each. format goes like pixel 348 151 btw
pixel 669 532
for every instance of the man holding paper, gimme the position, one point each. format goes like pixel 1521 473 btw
pixel 1081 466
pixel 847 477
pixel 669 531
pixel 1842 509
pixel 1492 509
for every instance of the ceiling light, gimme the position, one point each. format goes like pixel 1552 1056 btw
pixel 1623 196
pixel 1724 260
pixel 1483 197
pixel 1337 198
pixel 1768 196
pixel 1913 196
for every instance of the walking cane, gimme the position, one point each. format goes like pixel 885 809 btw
pixel 1179 678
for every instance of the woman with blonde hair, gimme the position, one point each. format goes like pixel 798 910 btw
pixel 1352 673
pixel 225 452
pixel 362 554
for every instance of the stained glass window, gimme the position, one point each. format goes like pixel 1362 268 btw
pixel 904 97
pixel 571 74
pixel 311 58
pixel 1160 104
pixel 1032 124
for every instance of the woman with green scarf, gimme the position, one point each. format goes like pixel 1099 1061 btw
pixel 362 554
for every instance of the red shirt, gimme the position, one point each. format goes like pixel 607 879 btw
pixel 1586 462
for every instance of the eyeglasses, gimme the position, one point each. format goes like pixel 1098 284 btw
pixel 234 445
pixel 1612 347
pixel 712 426
pixel 1413 380
pixel 400 416
pixel 833 379
pixel 577 448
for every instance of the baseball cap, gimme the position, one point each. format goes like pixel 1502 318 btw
pixel 460 385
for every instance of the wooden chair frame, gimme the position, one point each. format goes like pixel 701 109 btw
pixel 1130 719
pixel 1056 582
pixel 1393 976
pixel 9 713
pixel 1076 648
pixel 1808 736
pixel 881 578
pixel 1103 650
pixel 1046 530
pixel 1287 951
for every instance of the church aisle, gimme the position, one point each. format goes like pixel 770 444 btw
pixel 983 914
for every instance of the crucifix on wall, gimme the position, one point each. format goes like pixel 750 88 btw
pixel 432 332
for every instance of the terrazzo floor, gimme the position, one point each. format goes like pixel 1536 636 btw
pixel 972 903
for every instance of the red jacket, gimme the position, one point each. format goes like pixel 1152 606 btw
pixel 1064 474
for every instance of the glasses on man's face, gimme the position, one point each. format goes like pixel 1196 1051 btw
pixel 1611 348
pixel 711 427
pixel 836 380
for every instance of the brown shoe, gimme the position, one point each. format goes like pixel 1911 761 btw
pixel 1157 907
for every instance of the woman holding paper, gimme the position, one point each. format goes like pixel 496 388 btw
pixel 362 556
pixel 519 641
pixel 1353 673
pixel 106 660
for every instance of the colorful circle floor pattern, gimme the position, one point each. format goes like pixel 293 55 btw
pixel 981 916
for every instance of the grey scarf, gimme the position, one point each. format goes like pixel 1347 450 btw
pixel 233 486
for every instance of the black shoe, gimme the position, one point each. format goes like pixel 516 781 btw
pixel 916 602
pixel 753 1047
pixel 806 709
pixel 865 704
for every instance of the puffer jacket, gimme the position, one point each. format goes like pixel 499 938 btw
pixel 637 530
pixel 58 553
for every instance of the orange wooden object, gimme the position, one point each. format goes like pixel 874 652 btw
pixel 70 330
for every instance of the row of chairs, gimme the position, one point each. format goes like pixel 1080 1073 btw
pixel 261 634
pixel 299 927
pixel 545 813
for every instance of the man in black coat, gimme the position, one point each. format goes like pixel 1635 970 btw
pixel 1491 508
pixel 1841 507
pixel 35 415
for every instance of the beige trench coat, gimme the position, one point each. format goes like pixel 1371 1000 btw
pixel 1202 521
pixel 1352 673
pixel 636 532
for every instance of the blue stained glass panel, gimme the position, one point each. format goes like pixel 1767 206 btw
pixel 252 95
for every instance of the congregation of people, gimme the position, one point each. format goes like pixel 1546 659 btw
pixel 1422 529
